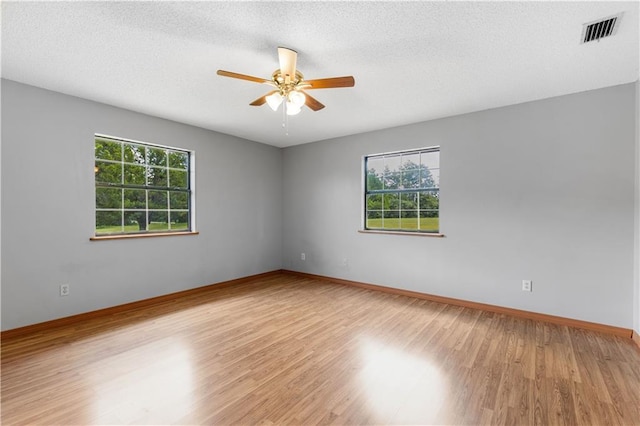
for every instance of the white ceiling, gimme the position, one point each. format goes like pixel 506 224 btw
pixel 412 61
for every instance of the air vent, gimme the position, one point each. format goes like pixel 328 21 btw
pixel 600 29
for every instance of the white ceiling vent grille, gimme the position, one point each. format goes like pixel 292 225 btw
pixel 600 29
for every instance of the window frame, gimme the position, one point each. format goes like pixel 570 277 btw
pixel 146 187
pixel 366 192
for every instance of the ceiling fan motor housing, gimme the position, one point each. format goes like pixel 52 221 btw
pixel 286 85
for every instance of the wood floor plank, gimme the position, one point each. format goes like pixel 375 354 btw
pixel 286 349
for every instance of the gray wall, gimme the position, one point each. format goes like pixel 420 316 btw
pixel 541 190
pixel 48 204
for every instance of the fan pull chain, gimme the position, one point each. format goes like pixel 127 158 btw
pixel 285 119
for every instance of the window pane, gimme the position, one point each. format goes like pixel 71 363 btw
pixel 429 178
pixel 391 219
pixel 178 179
pixel 411 161
pixel 391 201
pixel 108 222
pixel 108 150
pixel 392 163
pixel 391 214
pixel 409 220
pixel 135 221
pixel 158 200
pixel 135 199
pixel 431 159
pixel 428 213
pixel 429 221
pixel 157 176
pixel 375 170
pixel 392 180
pixel 429 201
pixel 178 160
pixel 134 175
pixel 409 200
pixel 158 221
pixel 374 220
pixel 435 173
pixel 108 198
pixel 179 220
pixel 374 180
pixel 376 164
pixel 178 200
pixel 411 178
pixel 134 154
pixel 374 202
pixel 108 172
pixel 157 157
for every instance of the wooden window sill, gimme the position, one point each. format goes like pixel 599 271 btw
pixel 152 234
pixel 413 234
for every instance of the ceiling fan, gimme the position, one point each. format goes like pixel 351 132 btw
pixel 290 85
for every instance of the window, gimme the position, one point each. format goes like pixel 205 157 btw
pixel 141 188
pixel 402 191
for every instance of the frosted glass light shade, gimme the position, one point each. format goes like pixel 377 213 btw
pixel 292 109
pixel 297 98
pixel 274 100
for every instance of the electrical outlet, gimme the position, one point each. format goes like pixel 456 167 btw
pixel 64 289
pixel 303 256
pixel 527 285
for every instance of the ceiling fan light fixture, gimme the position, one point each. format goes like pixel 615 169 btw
pixel 292 109
pixel 274 100
pixel 297 98
pixel 289 86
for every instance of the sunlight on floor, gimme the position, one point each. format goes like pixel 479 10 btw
pixel 159 391
pixel 390 375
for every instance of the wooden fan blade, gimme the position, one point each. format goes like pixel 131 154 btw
pixel 288 59
pixel 242 76
pixel 263 99
pixel 312 102
pixel 329 83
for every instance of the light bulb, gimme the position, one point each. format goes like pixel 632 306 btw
pixel 274 100
pixel 292 109
pixel 297 98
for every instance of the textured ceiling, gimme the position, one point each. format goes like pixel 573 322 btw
pixel 412 61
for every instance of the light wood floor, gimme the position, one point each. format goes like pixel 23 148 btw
pixel 291 350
